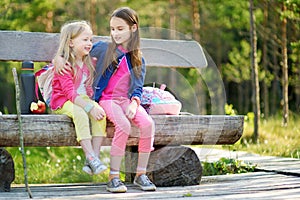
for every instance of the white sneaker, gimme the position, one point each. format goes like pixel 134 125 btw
pixel 95 165
pixel 86 168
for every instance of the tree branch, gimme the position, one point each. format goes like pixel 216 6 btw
pixel 21 130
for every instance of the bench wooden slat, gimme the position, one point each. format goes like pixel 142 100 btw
pixel 178 53
pixel 58 130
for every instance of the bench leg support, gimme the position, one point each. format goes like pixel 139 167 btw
pixel 7 170
pixel 168 166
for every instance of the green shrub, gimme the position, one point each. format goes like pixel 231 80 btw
pixel 226 166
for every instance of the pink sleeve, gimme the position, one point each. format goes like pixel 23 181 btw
pixel 68 87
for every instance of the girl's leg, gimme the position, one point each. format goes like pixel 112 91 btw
pixel 98 131
pixel 143 159
pixel 115 113
pixel 87 148
pixel 81 122
pixel 96 144
pixel 82 128
pixel 146 125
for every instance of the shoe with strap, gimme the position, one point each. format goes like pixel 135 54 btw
pixel 144 183
pixel 93 165
pixel 86 168
pixel 115 185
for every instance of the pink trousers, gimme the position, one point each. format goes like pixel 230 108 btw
pixel 115 112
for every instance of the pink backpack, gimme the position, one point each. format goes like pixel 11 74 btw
pixel 44 79
pixel 158 101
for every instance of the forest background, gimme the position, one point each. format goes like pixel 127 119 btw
pixel 221 27
pixel 225 32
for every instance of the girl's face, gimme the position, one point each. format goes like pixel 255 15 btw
pixel 120 31
pixel 82 44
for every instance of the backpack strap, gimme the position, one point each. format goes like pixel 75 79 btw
pixel 37 74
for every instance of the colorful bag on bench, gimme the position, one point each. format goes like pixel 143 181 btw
pixel 44 79
pixel 158 101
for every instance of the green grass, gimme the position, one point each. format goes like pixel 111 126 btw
pixel 54 165
pixel 274 138
pixel 64 164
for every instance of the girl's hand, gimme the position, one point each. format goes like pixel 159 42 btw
pixel 131 109
pixel 97 113
pixel 94 61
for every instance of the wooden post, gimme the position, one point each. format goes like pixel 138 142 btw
pixel 7 169
pixel 174 166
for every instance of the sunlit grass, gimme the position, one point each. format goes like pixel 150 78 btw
pixel 274 138
pixel 55 165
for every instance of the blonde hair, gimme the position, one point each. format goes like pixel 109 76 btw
pixel 69 31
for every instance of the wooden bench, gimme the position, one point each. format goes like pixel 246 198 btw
pixel 171 163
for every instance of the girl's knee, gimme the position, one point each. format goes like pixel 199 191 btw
pixel 81 115
pixel 124 126
pixel 146 145
pixel 149 127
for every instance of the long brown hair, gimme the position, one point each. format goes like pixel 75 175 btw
pixel 131 18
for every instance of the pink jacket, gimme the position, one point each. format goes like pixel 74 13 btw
pixel 64 88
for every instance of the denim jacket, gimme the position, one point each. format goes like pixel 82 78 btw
pixel 101 80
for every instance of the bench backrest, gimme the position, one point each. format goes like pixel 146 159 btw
pixel 40 47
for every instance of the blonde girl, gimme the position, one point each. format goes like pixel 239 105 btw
pixel 72 92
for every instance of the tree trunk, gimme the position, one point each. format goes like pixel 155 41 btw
pixel 255 81
pixel 247 102
pixel 201 96
pixel 92 11
pixel 265 63
pixel 168 166
pixel 275 82
pixel 49 22
pixel 172 74
pixel 241 95
pixel 284 70
pixel 297 93
pixel 196 21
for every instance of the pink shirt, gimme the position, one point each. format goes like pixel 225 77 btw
pixel 118 85
pixel 64 87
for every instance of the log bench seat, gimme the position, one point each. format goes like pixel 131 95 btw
pixel 171 163
pixel 58 130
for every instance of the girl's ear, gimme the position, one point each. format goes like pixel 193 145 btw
pixel 134 27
